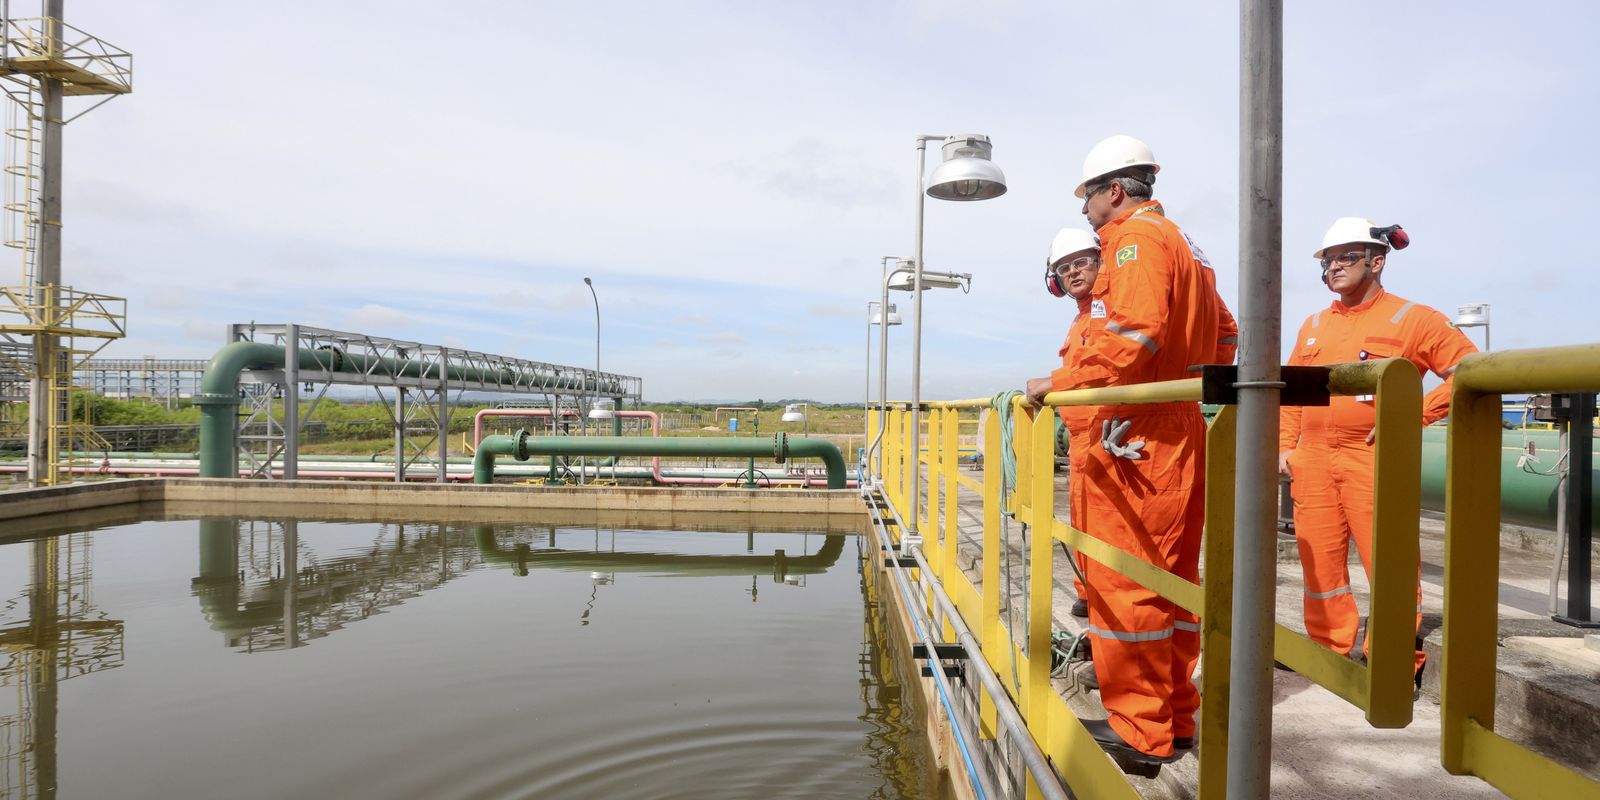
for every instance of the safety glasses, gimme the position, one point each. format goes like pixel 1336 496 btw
pixel 1349 259
pixel 1066 268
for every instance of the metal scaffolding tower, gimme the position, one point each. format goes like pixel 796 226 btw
pixel 43 61
pixel 159 380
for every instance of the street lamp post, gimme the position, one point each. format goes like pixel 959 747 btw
pixel 966 174
pixel 876 316
pixel 589 283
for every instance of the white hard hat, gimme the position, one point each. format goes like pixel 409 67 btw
pixel 1113 154
pixel 1072 240
pixel 1350 230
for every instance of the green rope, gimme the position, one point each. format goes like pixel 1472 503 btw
pixel 1002 405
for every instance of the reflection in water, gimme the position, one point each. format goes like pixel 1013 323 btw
pixel 51 633
pixel 266 585
pixel 894 740
pixel 263 591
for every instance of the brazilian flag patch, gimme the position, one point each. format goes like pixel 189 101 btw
pixel 1126 254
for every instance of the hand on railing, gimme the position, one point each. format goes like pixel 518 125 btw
pixel 1036 390
pixel 1112 432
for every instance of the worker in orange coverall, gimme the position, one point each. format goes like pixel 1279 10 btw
pixel 1154 312
pixel 1328 451
pixel 1070 271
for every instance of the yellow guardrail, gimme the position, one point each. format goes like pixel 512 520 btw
pixel 1381 688
pixel 1469 744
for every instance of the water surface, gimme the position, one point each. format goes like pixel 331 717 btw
pixel 240 658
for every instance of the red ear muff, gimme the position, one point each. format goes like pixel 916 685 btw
pixel 1395 235
pixel 1052 282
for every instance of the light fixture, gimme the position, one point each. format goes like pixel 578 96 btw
pixel 1474 315
pixel 894 316
pixel 792 413
pixel 967 173
pixel 901 280
pixel 604 408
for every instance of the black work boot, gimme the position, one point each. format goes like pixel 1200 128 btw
pixel 1130 759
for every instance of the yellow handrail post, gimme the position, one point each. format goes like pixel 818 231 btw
pixel 1471 571
pixel 1216 620
pixel 891 460
pixel 1397 496
pixel 950 464
pixel 994 641
pixel 1040 453
pixel 910 450
pixel 872 427
pixel 930 524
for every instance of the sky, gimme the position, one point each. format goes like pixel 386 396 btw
pixel 731 173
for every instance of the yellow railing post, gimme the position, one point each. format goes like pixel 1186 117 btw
pixel 930 524
pixel 994 640
pixel 1040 453
pixel 910 450
pixel 950 464
pixel 1397 496
pixel 1469 743
pixel 1216 620
pixel 1471 571
pixel 872 429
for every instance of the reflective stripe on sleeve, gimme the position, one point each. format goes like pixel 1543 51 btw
pixel 1147 342
pixel 1132 636
pixel 1345 589
pixel 1402 312
pixel 1316 320
pixel 1192 627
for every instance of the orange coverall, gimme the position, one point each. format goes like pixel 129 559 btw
pixel 1154 312
pixel 1332 463
pixel 1077 419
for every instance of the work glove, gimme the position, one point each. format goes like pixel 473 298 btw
pixel 1112 432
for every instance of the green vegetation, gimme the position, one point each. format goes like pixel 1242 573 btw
pixel 366 427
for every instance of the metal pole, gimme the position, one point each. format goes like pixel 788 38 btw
pixel 883 361
pixel 1580 508
pixel 866 436
pixel 590 284
pixel 43 409
pixel 1260 322
pixel 916 348
pixel 443 473
pixel 291 403
pixel 400 435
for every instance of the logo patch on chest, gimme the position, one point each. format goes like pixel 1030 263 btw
pixel 1097 309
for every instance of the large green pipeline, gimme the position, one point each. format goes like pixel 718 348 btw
pixel 779 446
pixel 1526 498
pixel 218 397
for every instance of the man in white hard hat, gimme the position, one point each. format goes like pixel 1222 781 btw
pixel 1070 271
pixel 1328 451
pixel 1155 313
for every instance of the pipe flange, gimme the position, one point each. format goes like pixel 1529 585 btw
pixel 522 444
pixel 780 447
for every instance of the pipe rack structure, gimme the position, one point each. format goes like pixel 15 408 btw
pixel 265 363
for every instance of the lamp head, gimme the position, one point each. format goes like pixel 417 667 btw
pixel 604 408
pixel 967 172
pixel 1472 315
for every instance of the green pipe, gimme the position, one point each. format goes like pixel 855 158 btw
pixel 680 564
pixel 218 397
pixel 1526 498
pixel 780 447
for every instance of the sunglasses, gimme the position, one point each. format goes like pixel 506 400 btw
pixel 1349 259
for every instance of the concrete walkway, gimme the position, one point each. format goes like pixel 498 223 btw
pixel 1322 745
